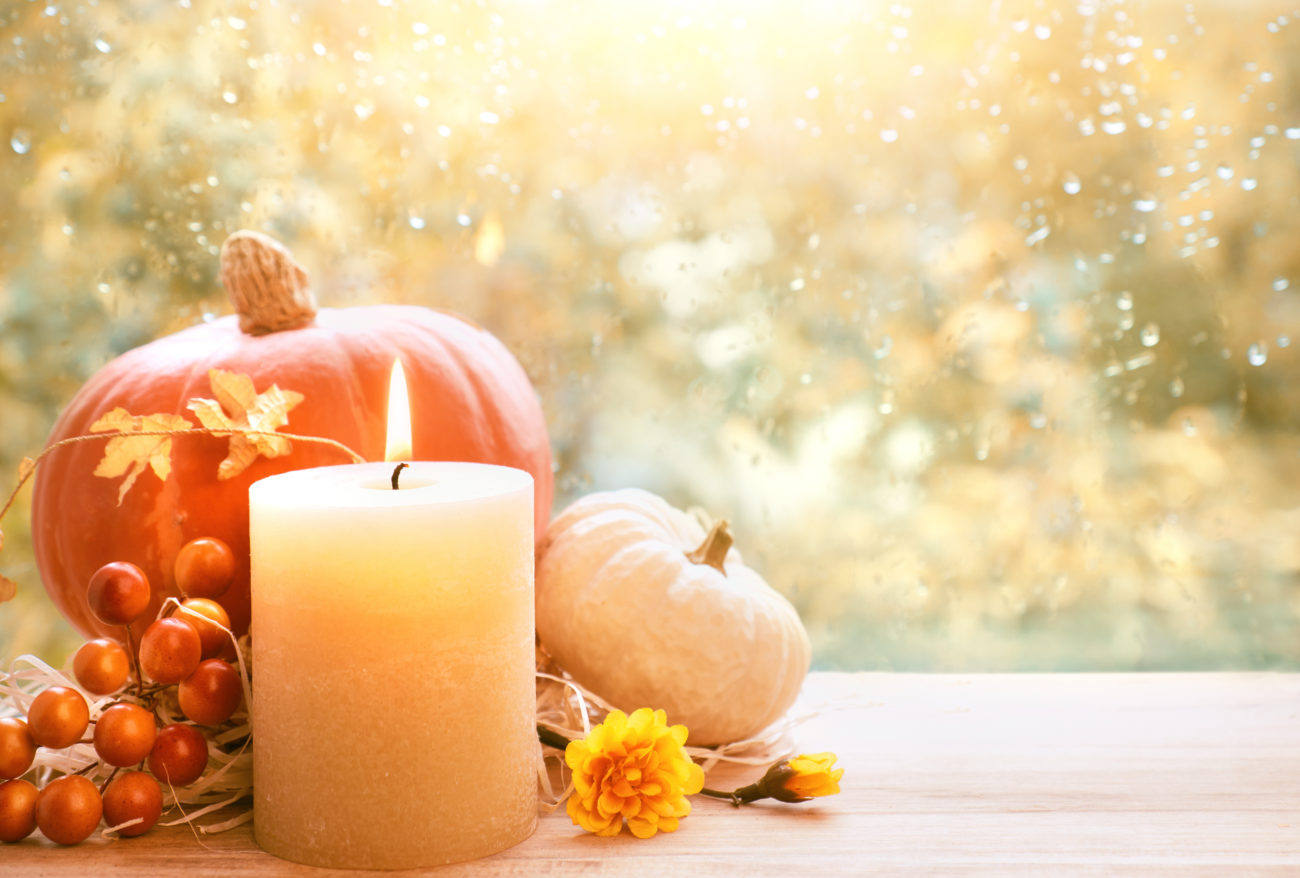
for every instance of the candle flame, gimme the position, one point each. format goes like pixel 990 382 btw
pixel 398 444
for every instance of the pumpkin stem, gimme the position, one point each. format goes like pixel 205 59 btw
pixel 268 288
pixel 713 551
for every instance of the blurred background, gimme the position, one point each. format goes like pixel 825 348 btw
pixel 975 320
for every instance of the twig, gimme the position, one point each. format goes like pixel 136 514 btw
pixel 206 431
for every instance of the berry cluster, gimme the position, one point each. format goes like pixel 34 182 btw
pixel 152 702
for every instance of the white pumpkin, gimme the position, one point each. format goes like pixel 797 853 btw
pixel 645 609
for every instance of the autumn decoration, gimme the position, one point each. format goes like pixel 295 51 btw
pixel 279 362
pixel 643 605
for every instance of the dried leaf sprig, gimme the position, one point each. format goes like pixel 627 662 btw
pixel 137 443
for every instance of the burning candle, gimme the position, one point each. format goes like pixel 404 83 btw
pixel 392 644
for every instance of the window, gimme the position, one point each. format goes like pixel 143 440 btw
pixel 976 322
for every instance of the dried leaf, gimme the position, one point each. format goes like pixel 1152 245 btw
pixel 130 455
pixel 242 413
pixel 8 588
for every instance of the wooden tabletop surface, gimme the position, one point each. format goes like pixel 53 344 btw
pixel 1079 774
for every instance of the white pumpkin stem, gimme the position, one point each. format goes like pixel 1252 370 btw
pixel 713 551
pixel 268 288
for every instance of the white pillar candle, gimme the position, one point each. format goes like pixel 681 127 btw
pixel 392 645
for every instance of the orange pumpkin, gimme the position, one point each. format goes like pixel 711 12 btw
pixel 470 400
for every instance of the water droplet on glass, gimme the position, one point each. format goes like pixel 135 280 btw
pixel 20 141
pixel 1224 171
pixel 1139 362
pixel 1257 354
pixel 1150 335
pixel 1280 283
pixel 1071 184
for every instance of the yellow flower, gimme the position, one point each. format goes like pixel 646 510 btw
pixel 794 780
pixel 633 768
pixel 813 775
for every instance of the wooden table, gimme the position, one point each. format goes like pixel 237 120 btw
pixel 1088 774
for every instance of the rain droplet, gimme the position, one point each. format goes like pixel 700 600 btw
pixel 1257 354
pixel 1150 335
pixel 20 141
pixel 1037 235
pixel 1071 184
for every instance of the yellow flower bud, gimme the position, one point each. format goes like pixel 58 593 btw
pixel 802 778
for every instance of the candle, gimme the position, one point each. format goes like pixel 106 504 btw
pixel 392 643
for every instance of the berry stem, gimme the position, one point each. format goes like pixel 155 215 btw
pixel 108 780
pixel 135 662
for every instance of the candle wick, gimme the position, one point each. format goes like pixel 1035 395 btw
pixel 398 471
